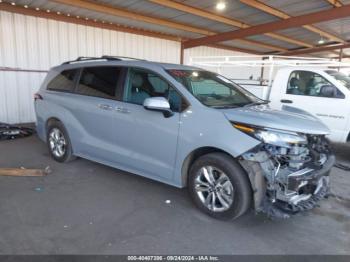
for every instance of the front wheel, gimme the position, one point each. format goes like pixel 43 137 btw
pixel 219 186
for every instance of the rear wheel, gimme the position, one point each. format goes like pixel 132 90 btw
pixel 58 142
pixel 219 186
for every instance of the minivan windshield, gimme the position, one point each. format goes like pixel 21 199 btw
pixel 214 90
pixel 340 77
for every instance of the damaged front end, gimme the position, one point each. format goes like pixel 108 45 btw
pixel 289 173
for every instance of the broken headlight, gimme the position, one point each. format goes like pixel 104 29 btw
pixel 273 136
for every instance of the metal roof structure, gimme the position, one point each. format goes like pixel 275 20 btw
pixel 195 22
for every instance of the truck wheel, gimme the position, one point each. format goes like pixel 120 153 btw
pixel 59 144
pixel 219 186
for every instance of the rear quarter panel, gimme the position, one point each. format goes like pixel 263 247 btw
pixel 55 105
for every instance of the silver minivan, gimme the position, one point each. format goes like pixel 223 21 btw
pixel 186 127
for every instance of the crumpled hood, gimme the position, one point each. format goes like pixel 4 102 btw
pixel 286 119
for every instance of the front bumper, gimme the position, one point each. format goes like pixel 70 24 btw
pixel 313 186
pixel 279 193
pixel 313 175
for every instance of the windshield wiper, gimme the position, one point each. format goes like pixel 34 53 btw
pixel 264 102
pixel 224 107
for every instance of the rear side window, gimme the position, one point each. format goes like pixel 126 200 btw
pixel 65 81
pixel 99 81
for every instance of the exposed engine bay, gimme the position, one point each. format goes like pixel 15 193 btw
pixel 289 178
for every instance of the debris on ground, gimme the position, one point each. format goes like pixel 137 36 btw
pixel 39 189
pixel 342 166
pixel 24 171
pixel 8 132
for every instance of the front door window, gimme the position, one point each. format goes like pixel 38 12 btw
pixel 142 84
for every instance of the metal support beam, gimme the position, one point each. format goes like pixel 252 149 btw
pixel 340 57
pixel 182 50
pixel 222 19
pixel 120 12
pixel 278 13
pixel 71 19
pixel 335 3
pixel 317 49
pixel 296 21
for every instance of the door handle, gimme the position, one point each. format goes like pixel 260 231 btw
pixel 122 110
pixel 105 107
pixel 286 101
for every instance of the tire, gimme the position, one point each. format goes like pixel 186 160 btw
pixel 240 191
pixel 57 132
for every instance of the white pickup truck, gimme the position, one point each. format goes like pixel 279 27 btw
pixel 324 93
pixel 306 83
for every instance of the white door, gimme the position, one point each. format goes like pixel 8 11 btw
pixel 315 94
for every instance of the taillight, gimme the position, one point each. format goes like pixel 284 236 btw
pixel 37 96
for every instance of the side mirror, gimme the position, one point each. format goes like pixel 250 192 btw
pixel 158 104
pixel 328 91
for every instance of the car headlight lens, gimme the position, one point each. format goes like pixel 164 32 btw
pixel 273 136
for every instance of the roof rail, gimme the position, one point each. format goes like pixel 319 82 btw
pixel 104 57
pixel 121 57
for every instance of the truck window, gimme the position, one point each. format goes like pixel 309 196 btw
pixel 340 77
pixel 307 83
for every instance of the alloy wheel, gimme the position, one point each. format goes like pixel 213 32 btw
pixel 214 189
pixel 57 142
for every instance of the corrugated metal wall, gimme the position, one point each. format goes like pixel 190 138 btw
pixel 37 44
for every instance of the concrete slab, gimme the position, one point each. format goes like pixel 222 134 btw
pixel 87 208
